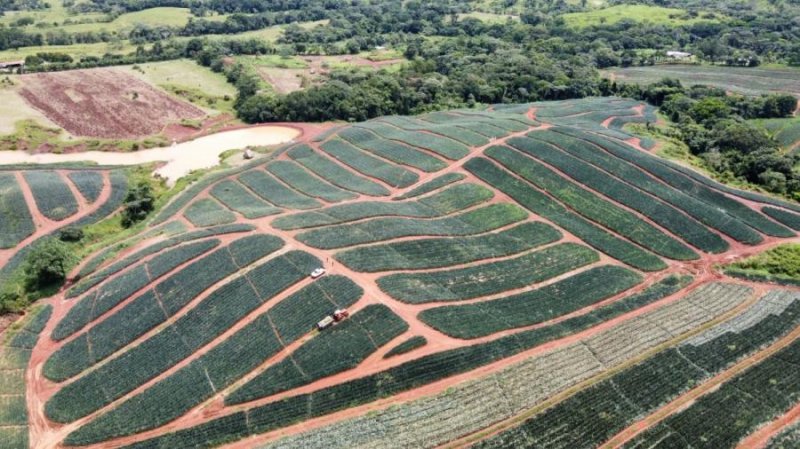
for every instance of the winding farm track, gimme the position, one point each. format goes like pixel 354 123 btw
pixel 45 434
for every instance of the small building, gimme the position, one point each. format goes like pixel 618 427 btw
pixel 12 66
pixel 678 55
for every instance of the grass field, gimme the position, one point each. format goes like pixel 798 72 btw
pixel 190 81
pixel 14 109
pixel 637 13
pixel 743 80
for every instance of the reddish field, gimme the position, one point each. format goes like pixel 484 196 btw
pixel 106 103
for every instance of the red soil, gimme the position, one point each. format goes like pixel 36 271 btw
pixel 107 103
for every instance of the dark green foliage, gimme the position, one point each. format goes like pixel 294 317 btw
pixel 563 297
pixel 52 195
pixel 267 187
pixel 368 165
pixel 139 202
pixel 47 264
pixel 468 223
pixel 249 249
pixel 441 252
pixel 407 346
pixel 335 350
pixel 590 205
pixel 16 222
pixel 334 173
pixel 234 196
pixel 432 185
pixel 207 212
pixel 70 234
pixel 489 278
pixel 542 205
pixel 89 183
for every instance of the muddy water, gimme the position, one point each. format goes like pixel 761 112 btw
pixel 180 159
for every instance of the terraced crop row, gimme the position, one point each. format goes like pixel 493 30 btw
pixel 476 221
pixel 401 378
pixel 244 351
pixel 445 202
pixel 270 189
pixel 724 416
pixel 299 179
pixel 88 183
pixel 235 197
pixel 87 283
pixel 541 204
pixel 52 195
pixel 207 212
pixel 459 134
pixel 470 407
pixel 334 173
pixel 199 326
pixel 154 306
pixel 789 219
pixel 371 166
pixel 488 278
pixel 407 346
pixel 121 287
pixel 391 150
pixel 15 352
pixel 363 334
pixel 432 185
pixel 591 206
pixel 622 192
pixel 594 415
pixel 442 146
pixel 486 318
pixel 16 222
pixel 685 183
pixel 443 252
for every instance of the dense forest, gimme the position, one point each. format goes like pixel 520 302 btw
pixel 530 54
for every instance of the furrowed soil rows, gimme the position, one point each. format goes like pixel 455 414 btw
pixel 107 103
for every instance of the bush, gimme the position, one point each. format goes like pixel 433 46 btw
pixel 47 264
pixel 138 203
pixel 70 234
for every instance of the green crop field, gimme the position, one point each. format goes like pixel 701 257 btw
pixel 480 267
pixel 743 80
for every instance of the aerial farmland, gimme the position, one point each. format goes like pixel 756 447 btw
pixel 386 224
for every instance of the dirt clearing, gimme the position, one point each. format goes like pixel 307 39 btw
pixel 107 103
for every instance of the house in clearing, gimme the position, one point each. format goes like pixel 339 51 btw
pixel 679 55
pixel 12 66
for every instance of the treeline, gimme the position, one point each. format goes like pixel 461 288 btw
pixel 714 126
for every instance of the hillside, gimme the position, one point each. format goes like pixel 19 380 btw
pixel 521 276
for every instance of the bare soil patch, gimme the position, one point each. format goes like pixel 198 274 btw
pixel 106 103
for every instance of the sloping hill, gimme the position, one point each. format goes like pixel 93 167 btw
pixel 525 249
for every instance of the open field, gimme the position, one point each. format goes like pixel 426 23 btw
pixel 743 80
pixel 637 13
pixel 104 103
pixel 504 270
